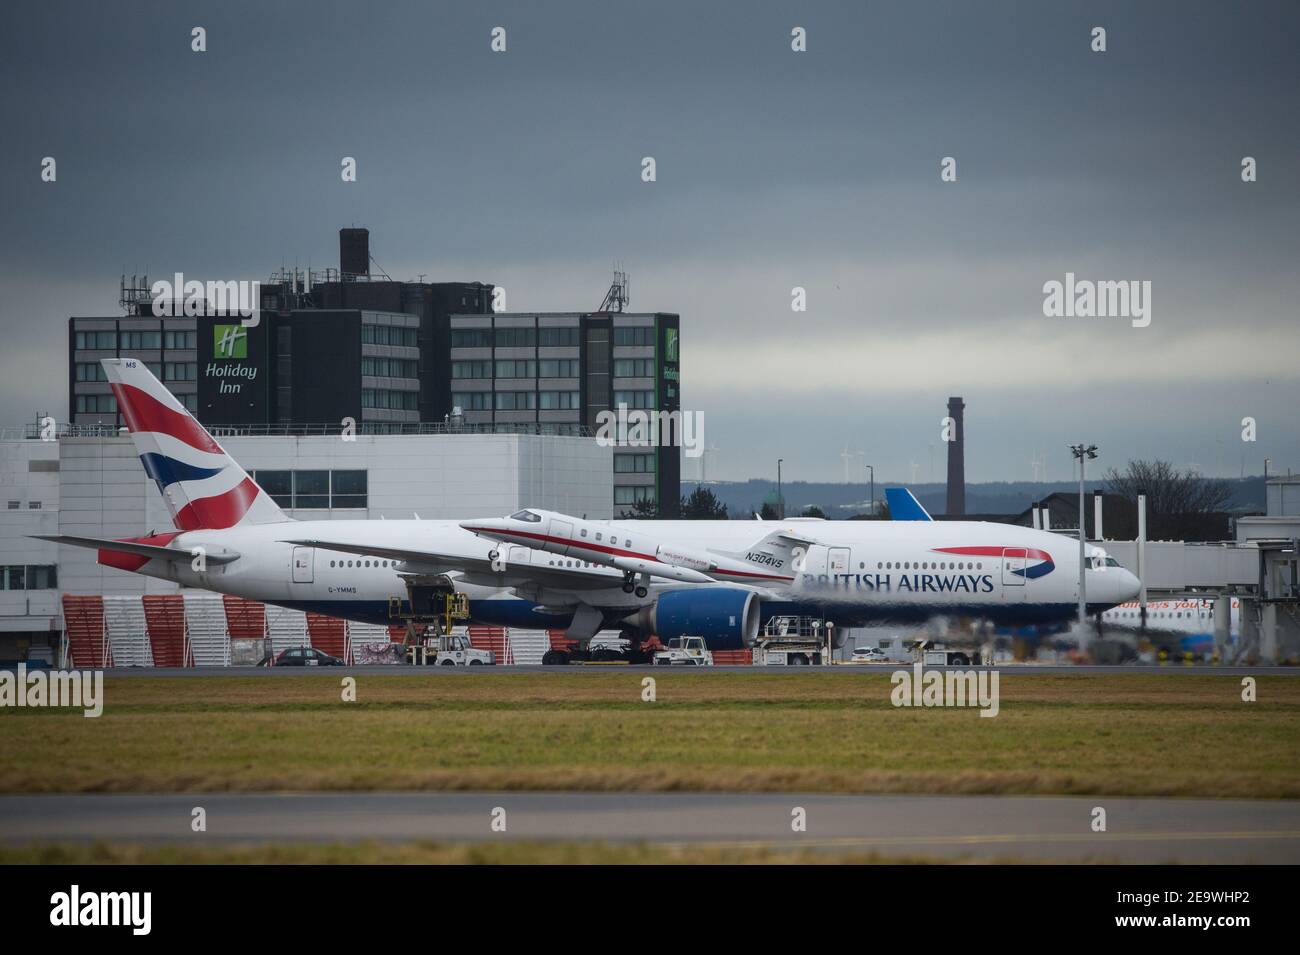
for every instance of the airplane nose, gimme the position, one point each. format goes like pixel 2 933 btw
pixel 1130 586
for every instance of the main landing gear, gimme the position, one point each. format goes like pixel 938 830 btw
pixel 583 652
pixel 631 586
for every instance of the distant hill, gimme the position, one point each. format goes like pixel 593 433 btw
pixel 840 501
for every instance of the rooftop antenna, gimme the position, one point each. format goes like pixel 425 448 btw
pixel 619 293
pixel 380 269
pixel 133 293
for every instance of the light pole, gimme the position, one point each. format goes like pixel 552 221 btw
pixel 780 499
pixel 1083 453
pixel 872 508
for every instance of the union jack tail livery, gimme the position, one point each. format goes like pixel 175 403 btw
pixel 203 486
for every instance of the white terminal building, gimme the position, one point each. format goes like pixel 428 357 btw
pixel 89 482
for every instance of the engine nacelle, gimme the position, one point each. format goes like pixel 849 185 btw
pixel 726 617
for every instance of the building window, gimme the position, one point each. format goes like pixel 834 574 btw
pixel 516 400
pixel 42 577
pixel 634 368
pixel 566 337
pixel 96 404
pixel 642 335
pixel 14 505
pixel 315 490
pixel 96 341
pixel 180 371
pixel 523 368
pixel 180 339
pixel 277 484
pixel 472 400
pixel 557 368
pixel 29 577
pixel 558 400
pixel 631 495
pixel 348 488
pixel 471 369
pixel 516 337
pixel 90 371
pixel 141 340
pixel 634 464
pixel 471 338
pixel 392 400
pixel 34 505
pixel 634 399
pixel 190 401
pixel 390 335
pixel 311 489
pixel 389 367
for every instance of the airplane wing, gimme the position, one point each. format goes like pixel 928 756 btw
pixel 482 570
pixel 151 551
pixel 903 505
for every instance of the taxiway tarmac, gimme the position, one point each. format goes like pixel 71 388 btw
pixel 945 827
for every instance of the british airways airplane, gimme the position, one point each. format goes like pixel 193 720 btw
pixel 539 569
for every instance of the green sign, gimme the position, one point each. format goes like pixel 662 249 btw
pixel 229 341
pixel 670 344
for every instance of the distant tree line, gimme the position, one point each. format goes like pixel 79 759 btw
pixel 1181 504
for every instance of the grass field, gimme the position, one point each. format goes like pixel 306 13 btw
pixel 1126 734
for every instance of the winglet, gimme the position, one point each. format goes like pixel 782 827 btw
pixel 903 506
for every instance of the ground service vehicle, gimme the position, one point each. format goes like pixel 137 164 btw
pixel 685 651
pixel 948 656
pixel 794 641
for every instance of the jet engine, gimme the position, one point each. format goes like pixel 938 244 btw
pixel 726 617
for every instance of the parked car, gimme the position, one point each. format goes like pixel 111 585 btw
pixel 868 655
pixel 306 657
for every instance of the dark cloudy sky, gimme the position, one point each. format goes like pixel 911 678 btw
pixel 775 170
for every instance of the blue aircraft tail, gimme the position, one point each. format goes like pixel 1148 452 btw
pixel 903 506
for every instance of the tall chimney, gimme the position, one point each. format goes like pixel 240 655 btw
pixel 957 459
pixel 354 251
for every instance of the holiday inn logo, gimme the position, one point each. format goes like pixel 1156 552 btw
pixel 229 341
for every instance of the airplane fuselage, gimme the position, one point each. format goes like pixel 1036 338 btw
pixel 858 573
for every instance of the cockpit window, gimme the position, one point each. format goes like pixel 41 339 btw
pixel 528 516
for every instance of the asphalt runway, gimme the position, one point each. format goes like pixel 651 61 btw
pixel 1043 828
pixel 1005 670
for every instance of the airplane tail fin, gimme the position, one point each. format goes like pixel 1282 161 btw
pixel 778 550
pixel 203 486
pixel 903 505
